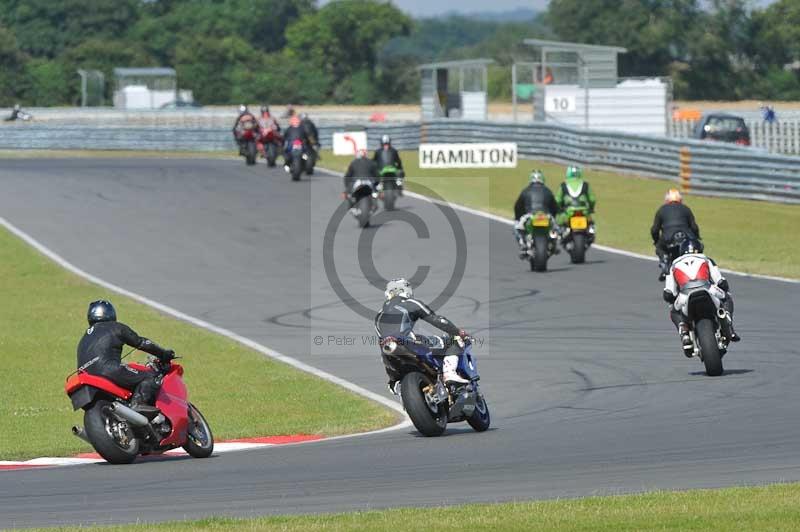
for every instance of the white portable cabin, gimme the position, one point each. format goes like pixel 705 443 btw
pixel 455 89
pixel 144 88
pixel 577 85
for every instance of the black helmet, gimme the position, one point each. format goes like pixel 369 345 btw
pixel 690 246
pixel 101 310
pixel 264 109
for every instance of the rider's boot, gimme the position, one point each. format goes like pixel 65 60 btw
pixel 449 371
pixel 686 340
pixel 142 399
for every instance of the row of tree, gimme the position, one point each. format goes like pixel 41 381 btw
pixel 365 51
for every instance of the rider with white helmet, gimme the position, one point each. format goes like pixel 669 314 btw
pixel 535 197
pixel 397 318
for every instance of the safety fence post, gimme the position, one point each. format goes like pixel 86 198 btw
pixel 685 175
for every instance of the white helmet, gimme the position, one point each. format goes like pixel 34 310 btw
pixel 386 139
pixel 398 287
pixel 242 108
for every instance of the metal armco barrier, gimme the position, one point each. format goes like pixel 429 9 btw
pixel 714 169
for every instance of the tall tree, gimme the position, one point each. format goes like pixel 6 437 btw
pixel 343 39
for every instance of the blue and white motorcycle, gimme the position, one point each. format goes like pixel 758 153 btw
pixel 430 403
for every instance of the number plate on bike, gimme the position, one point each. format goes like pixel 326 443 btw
pixel 541 221
pixel 578 222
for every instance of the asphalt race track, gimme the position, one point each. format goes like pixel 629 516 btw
pixel 588 390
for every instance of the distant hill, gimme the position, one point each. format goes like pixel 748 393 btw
pixel 521 14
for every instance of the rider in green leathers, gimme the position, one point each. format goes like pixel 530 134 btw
pixel 574 194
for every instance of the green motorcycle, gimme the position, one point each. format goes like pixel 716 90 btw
pixel 578 232
pixel 390 186
pixel 542 239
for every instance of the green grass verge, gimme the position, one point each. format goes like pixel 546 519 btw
pixel 763 508
pixel 241 392
pixel 749 236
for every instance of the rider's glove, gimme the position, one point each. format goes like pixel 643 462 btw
pixel 168 355
pixel 668 296
pixel 723 284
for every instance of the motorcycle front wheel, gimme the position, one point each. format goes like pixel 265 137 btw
pixel 199 440
pixel 480 419
pixel 364 206
pixel 429 420
pixel 296 169
pixel 389 199
pixel 250 153
pixel 271 154
pixel 111 438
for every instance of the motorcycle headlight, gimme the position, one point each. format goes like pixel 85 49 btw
pixel 553 234
pixel 399 182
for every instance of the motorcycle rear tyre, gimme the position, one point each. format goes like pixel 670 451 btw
pixel 427 422
pixel 578 253
pixel 94 420
pixel 539 259
pixel 704 329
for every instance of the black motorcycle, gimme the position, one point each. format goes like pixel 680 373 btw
pixel 296 159
pixel 363 200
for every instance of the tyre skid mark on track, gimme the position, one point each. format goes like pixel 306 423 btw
pixel 241 444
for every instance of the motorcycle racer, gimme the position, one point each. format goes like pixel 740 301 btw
pixel 397 318
pixel 694 267
pixel 535 197
pixel 100 353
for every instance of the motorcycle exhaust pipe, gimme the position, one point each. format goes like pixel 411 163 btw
pixel 128 414
pixel 722 314
pixel 78 432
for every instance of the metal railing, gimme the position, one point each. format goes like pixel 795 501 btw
pixel 700 167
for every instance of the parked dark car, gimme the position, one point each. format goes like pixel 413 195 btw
pixel 181 104
pixel 724 128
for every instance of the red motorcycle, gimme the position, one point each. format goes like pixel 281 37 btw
pixel 247 133
pixel 119 433
pixel 268 144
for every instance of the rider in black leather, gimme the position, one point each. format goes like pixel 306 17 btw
pixel 100 353
pixel 397 318
pixel 387 155
pixel 294 132
pixel 535 197
pixel 671 218
pixel 360 168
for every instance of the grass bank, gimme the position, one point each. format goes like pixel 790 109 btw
pixel 749 236
pixel 241 392
pixel 774 508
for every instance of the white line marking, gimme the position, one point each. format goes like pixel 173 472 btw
pixel 52 255
pixel 608 249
